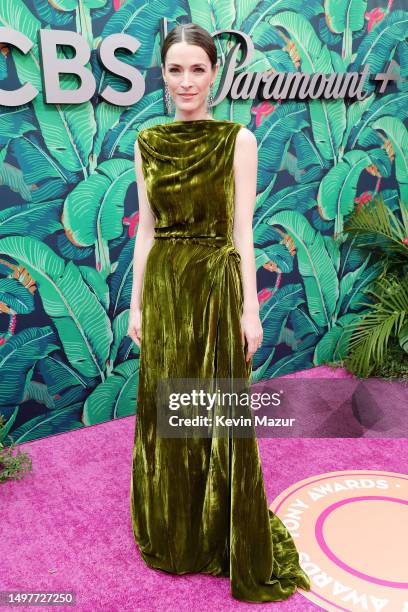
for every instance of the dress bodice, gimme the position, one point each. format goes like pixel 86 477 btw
pixel 188 171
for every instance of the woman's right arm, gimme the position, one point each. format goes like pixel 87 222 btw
pixel 143 243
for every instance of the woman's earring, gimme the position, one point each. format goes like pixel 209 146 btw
pixel 167 98
pixel 210 99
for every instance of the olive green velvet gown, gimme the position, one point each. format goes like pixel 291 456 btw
pixel 199 504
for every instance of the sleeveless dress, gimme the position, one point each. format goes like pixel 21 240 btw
pixel 199 504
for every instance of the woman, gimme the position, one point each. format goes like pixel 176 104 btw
pixel 198 504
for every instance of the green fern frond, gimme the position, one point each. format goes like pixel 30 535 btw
pixel 377 220
pixel 369 339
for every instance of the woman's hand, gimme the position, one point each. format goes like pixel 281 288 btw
pixel 251 331
pixel 135 325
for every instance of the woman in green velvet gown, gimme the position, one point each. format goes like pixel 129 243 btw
pixel 198 504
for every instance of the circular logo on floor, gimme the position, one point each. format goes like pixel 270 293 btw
pixel 351 531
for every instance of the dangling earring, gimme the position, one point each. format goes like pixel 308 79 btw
pixel 167 98
pixel 210 99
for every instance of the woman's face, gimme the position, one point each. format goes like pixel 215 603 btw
pixel 189 75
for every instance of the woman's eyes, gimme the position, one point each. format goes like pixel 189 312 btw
pixel 195 70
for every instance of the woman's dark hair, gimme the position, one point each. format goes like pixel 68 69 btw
pixel 192 34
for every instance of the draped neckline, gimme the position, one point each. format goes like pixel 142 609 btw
pixel 182 122
pixel 184 141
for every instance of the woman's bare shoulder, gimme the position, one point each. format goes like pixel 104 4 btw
pixel 245 143
pixel 245 135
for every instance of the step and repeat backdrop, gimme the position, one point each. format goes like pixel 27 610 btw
pixel 79 80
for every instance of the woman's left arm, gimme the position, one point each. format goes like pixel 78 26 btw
pixel 245 178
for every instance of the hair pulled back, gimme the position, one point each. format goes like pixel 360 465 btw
pixel 192 34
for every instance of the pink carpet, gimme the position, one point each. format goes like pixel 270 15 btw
pixel 66 525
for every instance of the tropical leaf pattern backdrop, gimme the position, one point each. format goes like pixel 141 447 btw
pixel 69 213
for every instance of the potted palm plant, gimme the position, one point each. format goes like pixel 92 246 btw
pixel 378 344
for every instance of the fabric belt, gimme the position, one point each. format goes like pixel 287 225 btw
pixel 224 244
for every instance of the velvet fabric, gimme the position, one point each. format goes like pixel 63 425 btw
pixel 199 504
